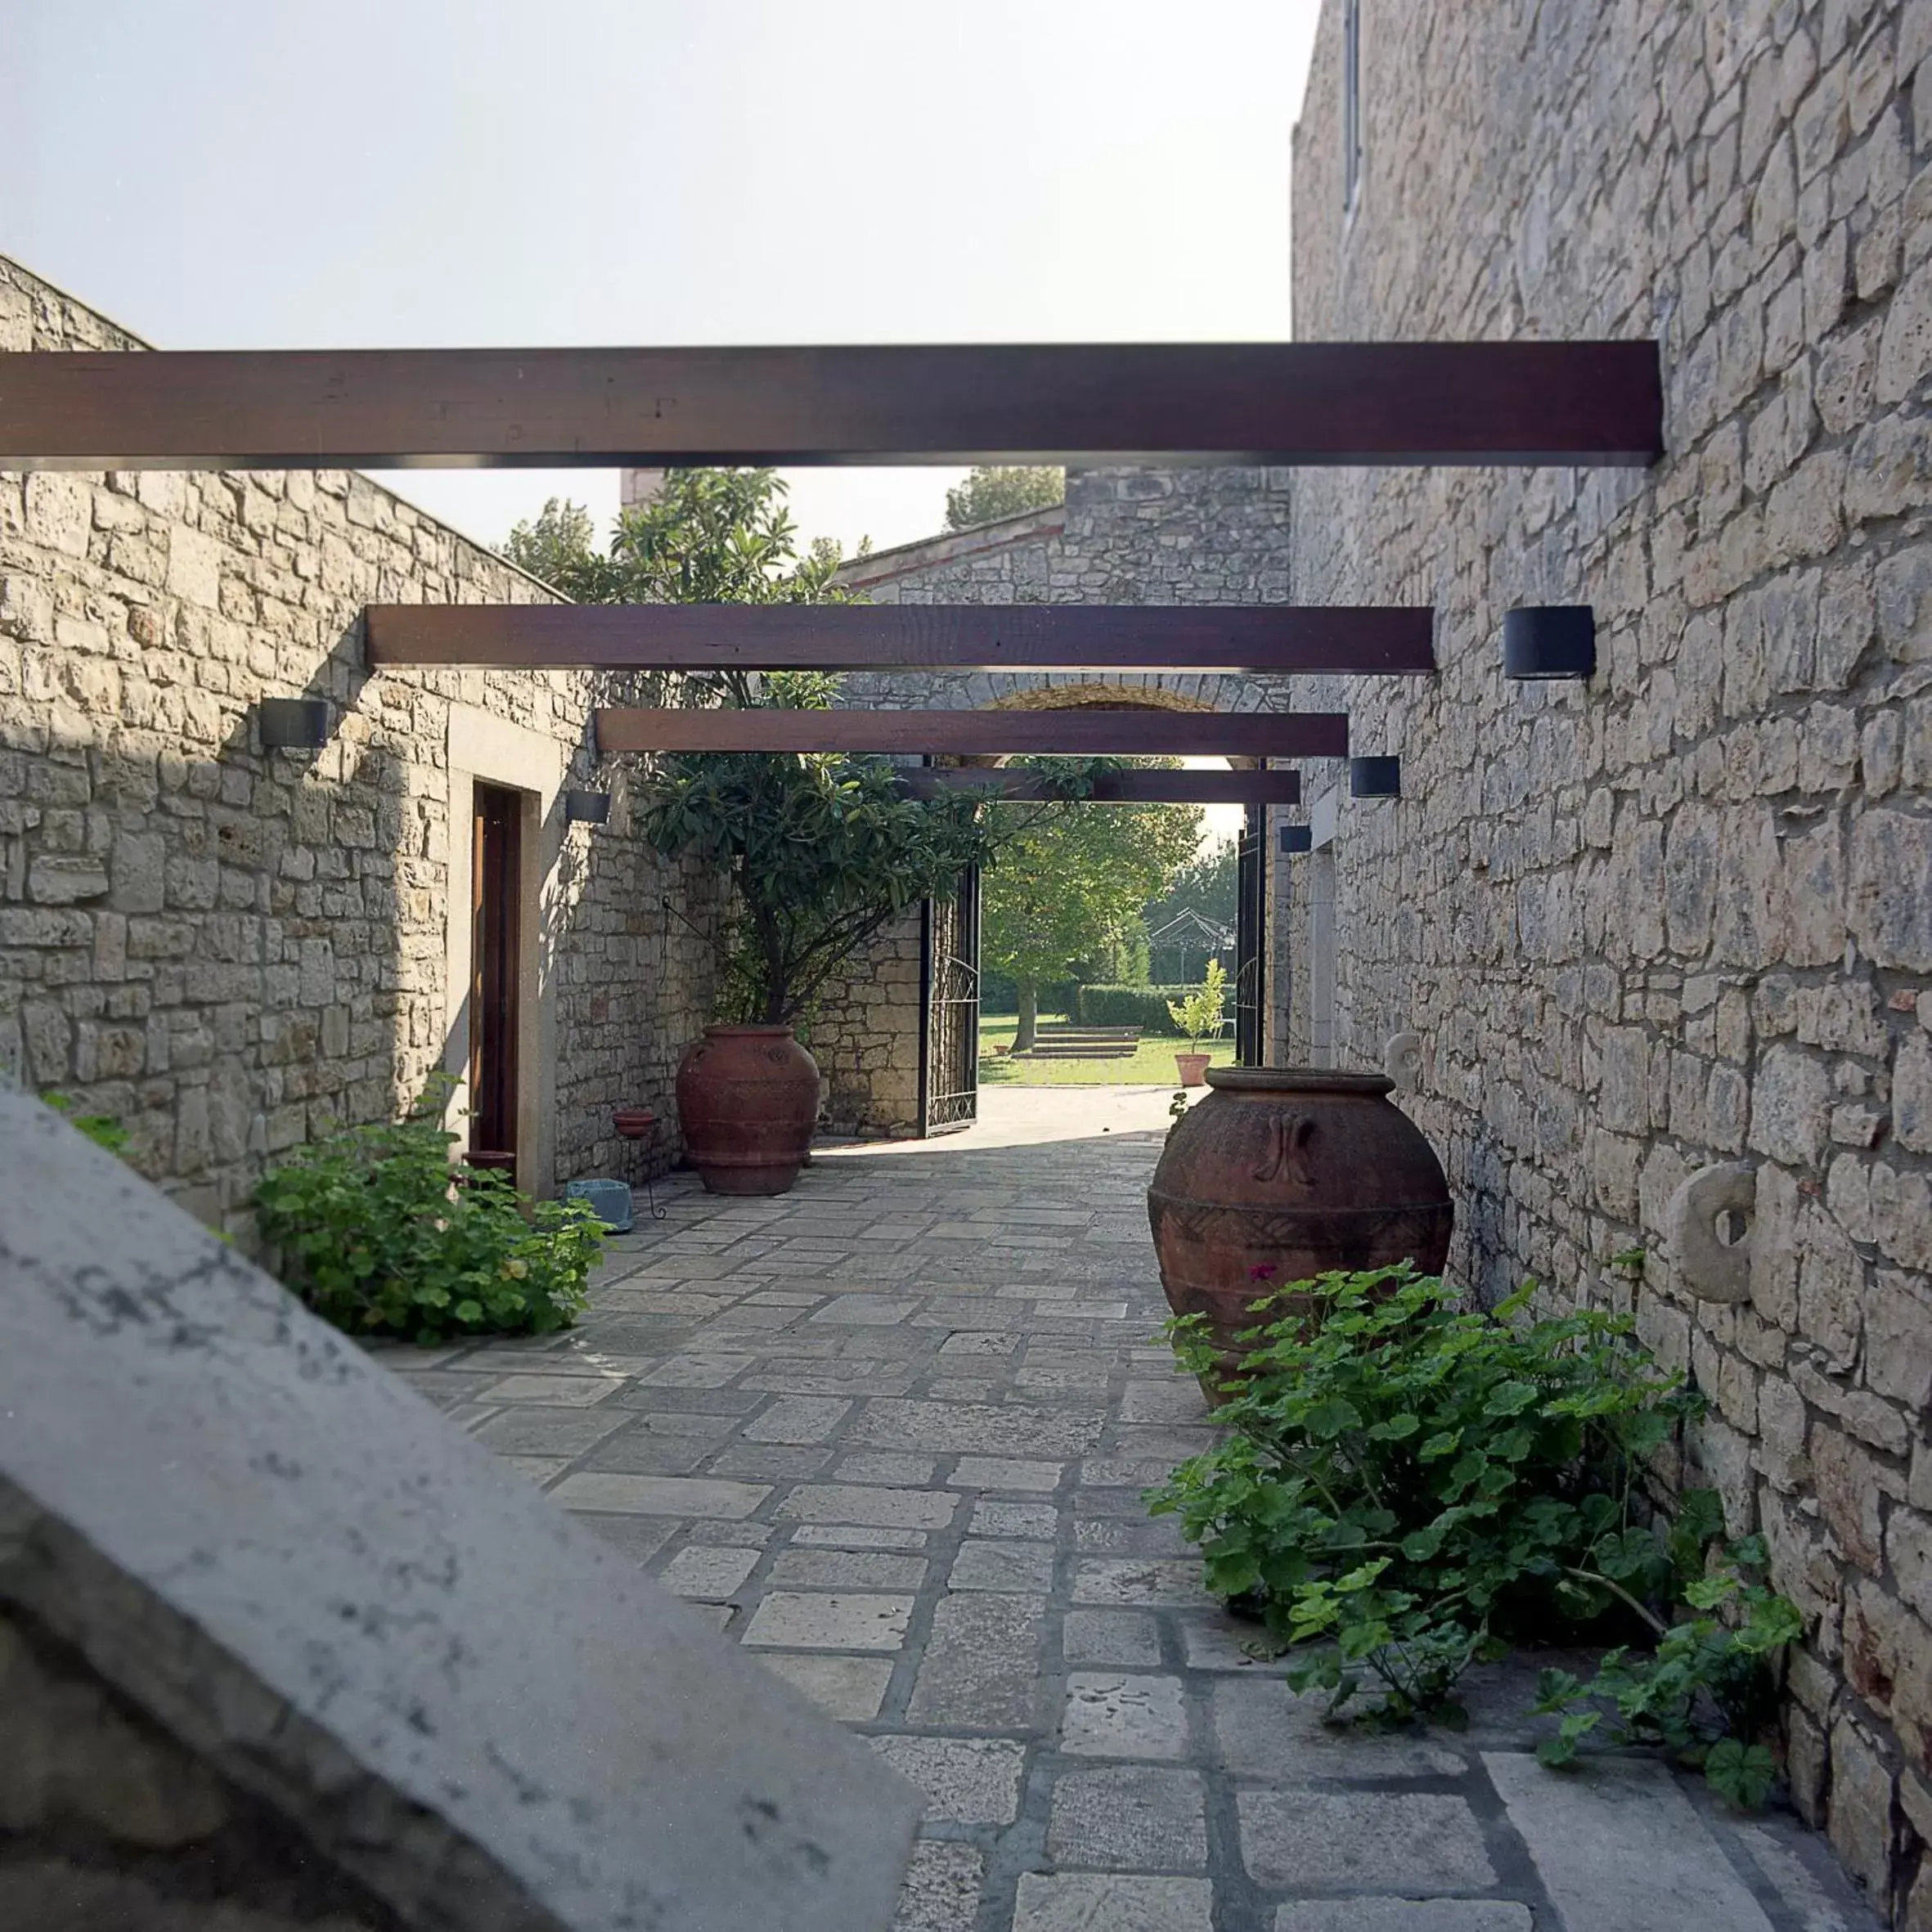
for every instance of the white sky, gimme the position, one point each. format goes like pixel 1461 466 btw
pixel 235 173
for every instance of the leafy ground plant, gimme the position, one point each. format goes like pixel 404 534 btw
pixel 1407 1487
pixel 1705 1693
pixel 380 1235
pixel 102 1129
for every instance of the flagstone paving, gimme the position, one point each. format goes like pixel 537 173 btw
pixel 890 1432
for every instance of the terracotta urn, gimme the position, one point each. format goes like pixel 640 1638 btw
pixel 1285 1172
pixel 1191 1067
pixel 747 1099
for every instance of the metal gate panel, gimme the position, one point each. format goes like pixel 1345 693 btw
pixel 948 1060
pixel 1250 940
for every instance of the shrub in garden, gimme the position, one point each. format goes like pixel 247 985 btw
pixel 380 1235
pixel 1149 1008
pixel 1406 1487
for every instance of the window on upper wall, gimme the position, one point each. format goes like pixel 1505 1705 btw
pixel 1351 104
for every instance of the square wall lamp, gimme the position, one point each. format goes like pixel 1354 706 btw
pixel 293 724
pixel 1375 778
pixel 1543 641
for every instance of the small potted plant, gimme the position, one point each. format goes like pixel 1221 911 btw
pixel 1200 1017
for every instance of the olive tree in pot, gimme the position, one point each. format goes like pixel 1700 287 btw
pixel 822 851
pixel 1200 1017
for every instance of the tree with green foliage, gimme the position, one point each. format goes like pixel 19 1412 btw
pixel 995 491
pixel 1205 885
pixel 821 850
pixel 708 537
pixel 1067 881
pixel 558 548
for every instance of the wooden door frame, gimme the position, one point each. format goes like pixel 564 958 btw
pixel 484 749
pixel 496 888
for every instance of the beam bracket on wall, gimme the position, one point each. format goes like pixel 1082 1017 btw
pixel 293 724
pixel 1550 641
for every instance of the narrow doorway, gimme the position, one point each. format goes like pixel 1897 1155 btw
pixel 494 950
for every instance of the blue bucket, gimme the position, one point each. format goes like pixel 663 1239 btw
pixel 608 1200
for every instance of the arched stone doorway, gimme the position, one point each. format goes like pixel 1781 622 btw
pixel 951 972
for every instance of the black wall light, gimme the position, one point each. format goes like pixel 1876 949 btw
pixel 586 808
pixel 1550 641
pixel 1375 778
pixel 293 724
pixel 1297 838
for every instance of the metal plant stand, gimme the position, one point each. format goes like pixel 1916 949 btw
pixel 638 1125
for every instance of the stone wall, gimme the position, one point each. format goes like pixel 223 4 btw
pixel 106 1820
pixel 281 1647
pixel 1124 535
pixel 1681 915
pixel 865 1036
pixel 231 950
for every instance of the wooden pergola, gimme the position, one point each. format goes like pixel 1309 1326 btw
pixel 1594 403
pixel 1288 404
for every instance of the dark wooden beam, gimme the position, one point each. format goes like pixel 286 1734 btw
pixel 1259 639
pixel 1078 730
pixel 1299 402
pixel 1121 788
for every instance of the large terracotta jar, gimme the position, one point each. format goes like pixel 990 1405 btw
pixel 1286 1172
pixel 746 1098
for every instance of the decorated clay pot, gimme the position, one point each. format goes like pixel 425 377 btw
pixel 1284 1173
pixel 747 1099
pixel 1191 1067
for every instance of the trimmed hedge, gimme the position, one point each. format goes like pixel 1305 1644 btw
pixel 999 996
pixel 1144 1007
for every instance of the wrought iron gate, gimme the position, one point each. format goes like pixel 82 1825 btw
pixel 949 1058
pixel 1250 938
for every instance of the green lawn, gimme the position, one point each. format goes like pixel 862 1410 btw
pixel 1152 1067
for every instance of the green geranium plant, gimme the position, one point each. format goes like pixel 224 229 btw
pixel 1406 1486
pixel 379 1234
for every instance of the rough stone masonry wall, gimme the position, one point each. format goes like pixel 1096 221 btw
pixel 864 1034
pixel 106 1820
pixel 1125 536
pixel 1683 914
pixel 231 951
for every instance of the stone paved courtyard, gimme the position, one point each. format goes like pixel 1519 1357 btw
pixel 890 1432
